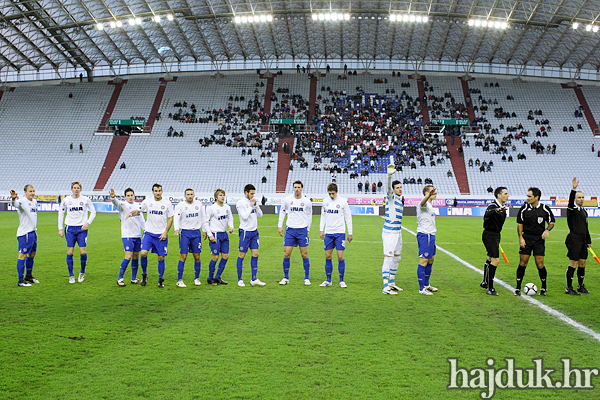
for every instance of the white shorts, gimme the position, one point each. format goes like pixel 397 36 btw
pixel 392 243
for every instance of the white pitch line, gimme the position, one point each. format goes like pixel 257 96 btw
pixel 533 301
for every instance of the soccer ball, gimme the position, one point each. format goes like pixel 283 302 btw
pixel 530 289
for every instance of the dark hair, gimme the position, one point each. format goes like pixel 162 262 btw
pixel 535 192
pixel 27 187
pixel 298 183
pixel 186 190
pixel 498 191
pixel 156 185
pixel 129 190
pixel 249 187
pixel 332 187
pixel 395 183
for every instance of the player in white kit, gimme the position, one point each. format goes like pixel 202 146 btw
pixel 248 211
pixel 426 239
pixel 26 234
pixel 189 217
pixel 391 234
pixel 159 218
pixel 220 216
pixel 131 234
pixel 77 224
pixel 298 209
pixel 335 217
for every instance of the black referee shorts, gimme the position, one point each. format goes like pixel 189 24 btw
pixel 491 241
pixel 576 247
pixel 534 244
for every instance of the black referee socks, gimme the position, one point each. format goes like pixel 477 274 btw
pixel 520 275
pixel 543 274
pixel 570 273
pixel 580 275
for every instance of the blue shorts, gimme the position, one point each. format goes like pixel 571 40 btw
pixel 248 240
pixel 74 234
pixel 132 244
pixel 426 245
pixel 151 241
pixel 27 243
pixel 222 244
pixel 190 241
pixel 335 240
pixel 296 237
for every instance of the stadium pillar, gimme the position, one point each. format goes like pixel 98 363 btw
pixel 268 92
pixel 422 98
pixel 586 109
pixel 468 102
pixel 111 104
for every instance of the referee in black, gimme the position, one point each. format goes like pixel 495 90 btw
pixel 531 227
pixel 577 241
pixel 493 221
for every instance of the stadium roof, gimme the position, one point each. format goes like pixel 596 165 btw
pixel 54 34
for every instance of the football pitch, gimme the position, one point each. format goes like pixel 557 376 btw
pixel 99 341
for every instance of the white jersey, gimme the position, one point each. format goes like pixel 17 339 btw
pixel 219 217
pixel 190 216
pixel 248 214
pixel 299 212
pixel 27 211
pixel 130 227
pixel 77 211
pixel 157 213
pixel 333 215
pixel 426 219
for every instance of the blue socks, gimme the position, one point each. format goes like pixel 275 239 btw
pixel 144 265
pixel 211 268
pixel 70 264
pixel 197 266
pixel 134 268
pixel 328 269
pixel 286 268
pixel 161 268
pixel 180 266
pixel 222 264
pixel 240 267
pixel 421 276
pixel 21 269
pixel 29 266
pixel 254 267
pixel 123 268
pixel 306 264
pixel 342 269
pixel 427 273
pixel 83 259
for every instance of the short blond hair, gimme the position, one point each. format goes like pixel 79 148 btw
pixel 76 183
pixel 427 189
pixel 217 191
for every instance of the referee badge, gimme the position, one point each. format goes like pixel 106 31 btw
pixel 540 220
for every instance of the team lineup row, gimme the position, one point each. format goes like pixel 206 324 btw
pixel 534 222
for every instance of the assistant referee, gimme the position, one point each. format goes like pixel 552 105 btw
pixel 577 241
pixel 493 221
pixel 531 227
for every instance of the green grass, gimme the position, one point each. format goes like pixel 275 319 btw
pixel 97 340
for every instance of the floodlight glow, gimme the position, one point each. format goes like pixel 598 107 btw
pixel 138 21
pixel 131 21
pixel 321 17
pixel 327 17
pixel 169 17
pixel 269 18
pixel 588 28
pixel 119 24
pixel 504 25
pixel 244 19
pixel 405 18
pixel 392 17
pixel 484 24
pixel 346 17
pixel 157 18
pixel 477 22
pixel 497 24
pixel 425 19
pixel 263 18
pixel 113 24
pixel 595 29
pixel 315 17
pixel 99 26
pixel 575 25
pixel 471 22
pixel 238 20
pixel 412 18
pixel 256 18
pixel 419 18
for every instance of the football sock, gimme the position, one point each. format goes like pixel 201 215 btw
pixel 427 273
pixel 254 267
pixel 306 264
pixel 580 275
pixel 144 265
pixel 394 269
pixel 70 264
pixel 486 270
pixel 286 268
pixel 21 269
pixel 421 276
pixel 569 275
pixel 342 269
pixel 134 268
pixel 520 275
pixel 180 267
pixel 240 267
pixel 543 273
pixel 221 268
pixel 385 271
pixel 211 268
pixel 197 268
pixel 491 275
pixel 83 259
pixel 161 268
pixel 123 268
pixel 29 266
pixel 328 269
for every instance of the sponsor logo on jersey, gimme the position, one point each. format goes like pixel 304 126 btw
pixel 221 217
pixel 192 215
pixel 333 211
pixel 76 209
pixel 156 212
pixel 296 208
